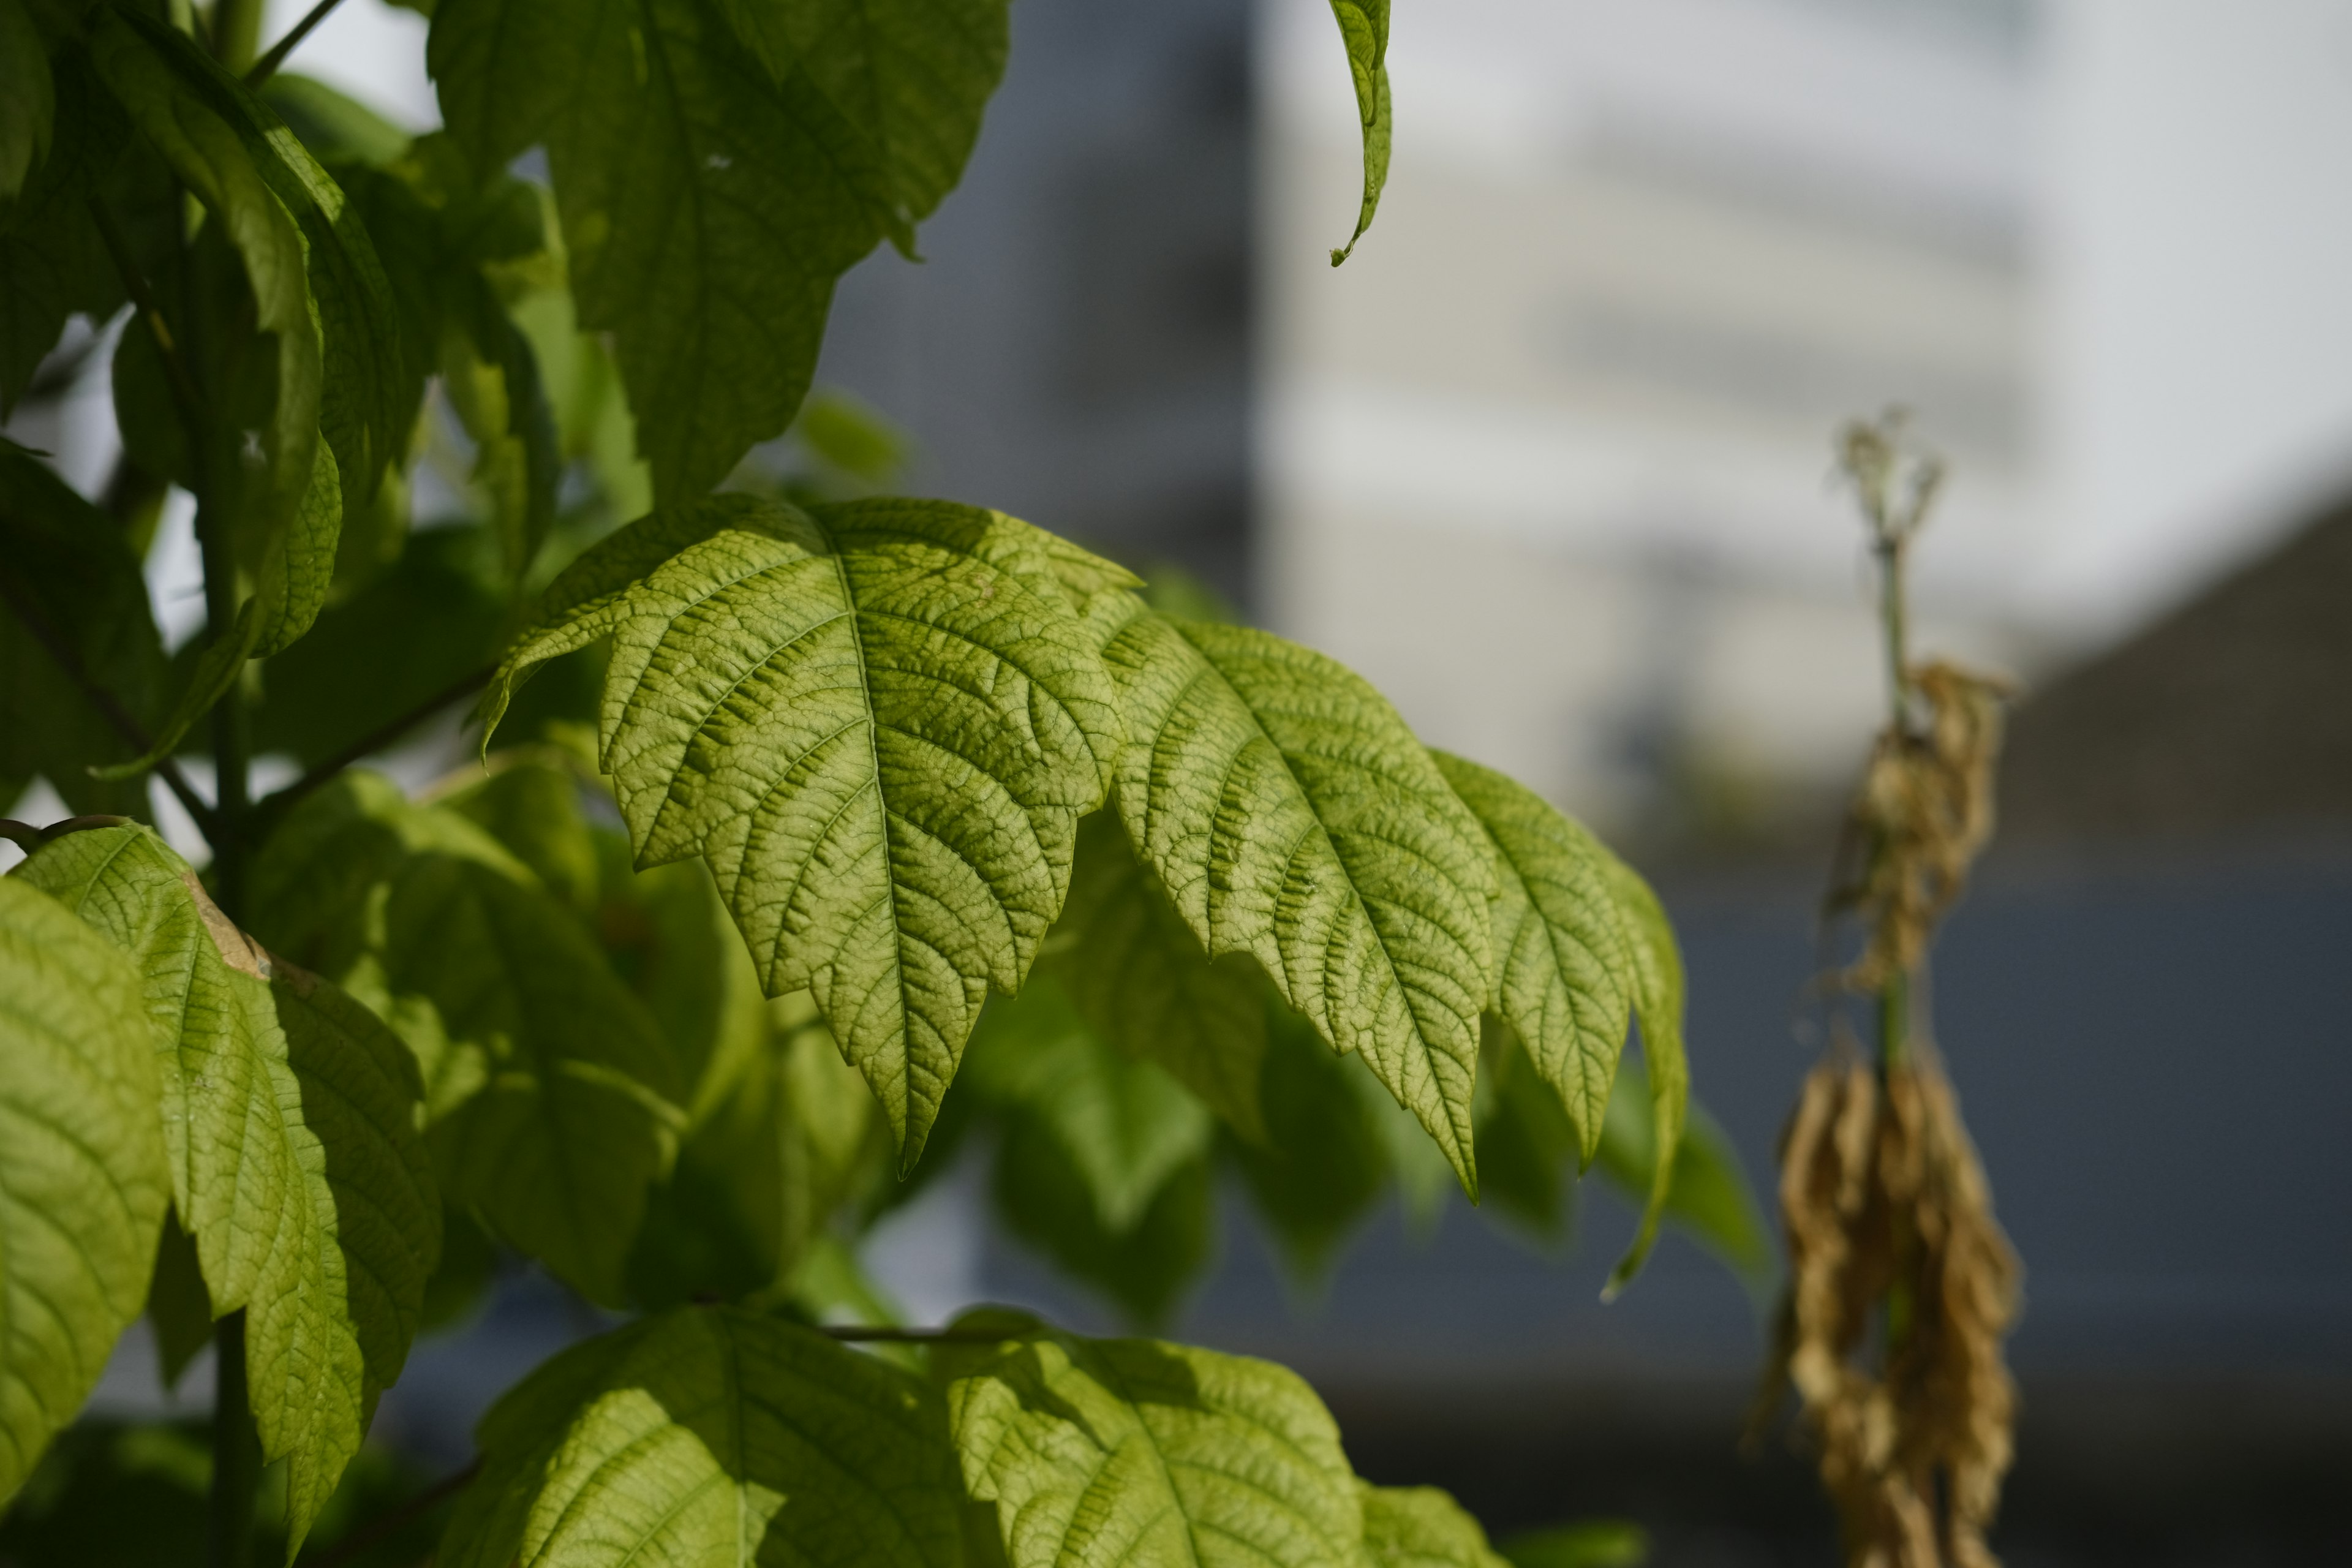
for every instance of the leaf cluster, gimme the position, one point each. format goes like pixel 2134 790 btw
pixel 829 828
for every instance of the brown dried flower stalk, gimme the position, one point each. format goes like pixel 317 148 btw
pixel 1901 1288
pixel 1901 1284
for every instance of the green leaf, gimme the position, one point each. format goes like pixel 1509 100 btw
pixel 418 627
pixel 64 561
pixel 531 804
pixel 1563 972
pixel 1526 1143
pixel 28 98
pixel 82 1175
pixel 335 127
pixel 1291 815
pixel 1658 1004
pixel 1589 1543
pixel 709 1435
pixel 1110 1451
pixel 1421 1527
pixel 552 1098
pixel 1144 1265
pixel 1124 1125
pixel 291 1116
pixel 179 1307
pixel 912 76
pixel 1364 26
pixel 1326 1158
pixel 708 209
pixel 1710 1198
pixel 53 262
pixel 1139 977
pixel 879 725
pixel 329 419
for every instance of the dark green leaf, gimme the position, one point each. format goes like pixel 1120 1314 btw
pixel 1324 1161
pixel 1144 1265
pixel 28 98
pixel 1591 1544
pixel 1658 1004
pixel 712 189
pixel 1710 1199
pixel 64 561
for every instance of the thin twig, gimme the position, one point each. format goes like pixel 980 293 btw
pixel 105 702
pixel 854 1333
pixel 369 745
pixel 266 66
pixel 351 1546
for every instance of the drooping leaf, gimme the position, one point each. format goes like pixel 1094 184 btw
pixel 1710 1199
pixel 291 1116
pixel 1145 1264
pixel 1101 1452
pixel 712 1435
pixel 1140 976
pixel 1527 1144
pixel 710 195
pixel 878 723
pixel 1290 814
pixel 64 563
pixel 1658 1006
pixel 1325 1159
pixel 1421 1527
pixel 1563 973
pixel 82 1176
pixel 28 98
pixel 1364 26
pixel 1124 1126
pixel 551 1099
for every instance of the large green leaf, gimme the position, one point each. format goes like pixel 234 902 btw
pixel 1140 977
pixel 1421 1527
pixel 712 189
pixel 1106 1452
pixel 878 723
pixel 711 1436
pixel 65 562
pixel 82 1175
pixel 1563 972
pixel 1044 1199
pixel 552 1098
pixel 1364 25
pixel 296 1166
pixel 1291 815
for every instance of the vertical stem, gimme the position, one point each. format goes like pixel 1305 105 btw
pixel 237 1452
pixel 237 34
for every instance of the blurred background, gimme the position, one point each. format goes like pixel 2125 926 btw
pixel 1549 461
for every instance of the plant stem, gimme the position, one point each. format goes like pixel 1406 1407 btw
pixel 236 1451
pixel 237 33
pixel 266 67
